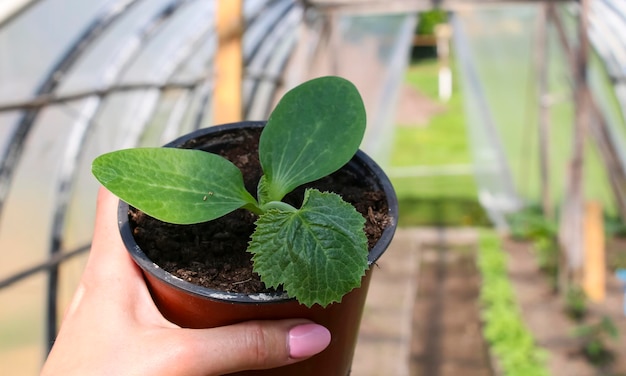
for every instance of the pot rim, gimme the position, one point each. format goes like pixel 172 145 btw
pixel 148 266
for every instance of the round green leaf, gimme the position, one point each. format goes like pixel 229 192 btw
pixel 179 186
pixel 317 253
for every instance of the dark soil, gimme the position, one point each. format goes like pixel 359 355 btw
pixel 545 314
pixel 447 335
pixel 447 329
pixel 213 254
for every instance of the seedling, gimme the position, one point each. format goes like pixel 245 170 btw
pixel 317 252
pixel 576 302
pixel 593 338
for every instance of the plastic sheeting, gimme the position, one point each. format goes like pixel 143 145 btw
pixel 496 46
pixel 140 73
pixel 608 79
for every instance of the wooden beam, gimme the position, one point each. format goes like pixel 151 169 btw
pixel 598 127
pixel 408 6
pixel 571 234
pixel 54 98
pixel 227 97
pixel 608 152
pixel 594 279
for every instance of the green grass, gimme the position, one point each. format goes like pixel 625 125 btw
pixel 437 199
pixel 423 76
pixel 443 141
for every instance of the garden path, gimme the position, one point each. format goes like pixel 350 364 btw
pixel 421 316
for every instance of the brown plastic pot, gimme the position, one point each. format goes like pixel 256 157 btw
pixel 192 306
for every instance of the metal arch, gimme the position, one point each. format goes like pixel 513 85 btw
pixel 135 132
pixel 70 160
pixel 262 54
pixel 68 169
pixel 205 91
pixel 609 20
pixel 606 21
pixel 44 100
pixel 272 59
pixel 189 86
pixel 271 77
pixel 617 9
pixel 204 84
pixel 607 42
pixel 14 148
pixel 43 266
pixel 281 8
pixel 258 12
pixel 258 16
pixel 17 13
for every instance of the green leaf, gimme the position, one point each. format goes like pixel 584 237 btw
pixel 314 130
pixel 179 186
pixel 318 252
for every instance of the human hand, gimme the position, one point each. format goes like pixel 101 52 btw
pixel 112 326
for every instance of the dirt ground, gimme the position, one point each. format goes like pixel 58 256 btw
pixel 447 331
pixel 544 314
pixel 415 108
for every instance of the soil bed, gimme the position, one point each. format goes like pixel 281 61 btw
pixel 544 313
pixel 213 254
pixel 447 331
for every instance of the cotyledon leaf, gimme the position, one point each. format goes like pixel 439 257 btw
pixel 180 186
pixel 315 129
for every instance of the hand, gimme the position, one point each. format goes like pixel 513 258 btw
pixel 112 326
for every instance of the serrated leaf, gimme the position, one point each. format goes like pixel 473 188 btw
pixel 314 130
pixel 318 253
pixel 179 186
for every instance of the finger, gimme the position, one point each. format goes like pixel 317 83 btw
pixel 110 274
pixel 107 250
pixel 252 345
pixel 98 268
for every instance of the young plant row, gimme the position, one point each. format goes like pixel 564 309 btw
pixel 510 341
pixel 529 224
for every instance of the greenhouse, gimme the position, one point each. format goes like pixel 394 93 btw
pixel 538 157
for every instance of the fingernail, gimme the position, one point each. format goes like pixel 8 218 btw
pixel 307 340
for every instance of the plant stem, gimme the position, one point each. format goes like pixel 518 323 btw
pixel 253 208
pixel 279 205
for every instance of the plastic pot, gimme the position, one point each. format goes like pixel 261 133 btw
pixel 192 306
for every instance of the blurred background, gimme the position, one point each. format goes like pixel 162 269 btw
pixel 501 124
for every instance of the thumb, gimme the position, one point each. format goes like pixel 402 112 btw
pixel 253 345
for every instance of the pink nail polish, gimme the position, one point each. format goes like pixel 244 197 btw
pixel 307 340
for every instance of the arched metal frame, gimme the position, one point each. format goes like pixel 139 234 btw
pixel 92 102
pixel 285 42
pixel 140 72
